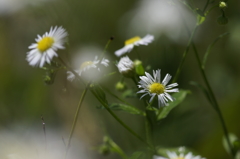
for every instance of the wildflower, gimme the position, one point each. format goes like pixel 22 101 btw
pixel 154 87
pixel 135 41
pixel 46 46
pixel 126 66
pixel 173 155
pixel 86 66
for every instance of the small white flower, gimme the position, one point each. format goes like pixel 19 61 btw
pixel 173 155
pixel 135 41
pixel 154 87
pixel 46 46
pixel 126 66
pixel 86 66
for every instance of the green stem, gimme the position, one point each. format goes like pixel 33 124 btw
pixel 75 118
pixel 106 107
pixel 208 11
pixel 206 5
pixel 122 123
pixel 115 96
pixel 149 129
pixel 106 47
pixel 216 105
pixel 138 55
pixel 184 55
pixel 135 81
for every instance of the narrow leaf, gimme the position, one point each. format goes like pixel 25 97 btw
pixel 125 108
pixel 129 94
pixel 179 97
pixel 210 48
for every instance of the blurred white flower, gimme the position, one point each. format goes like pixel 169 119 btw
pixel 174 155
pixel 135 41
pixel 46 46
pixel 32 145
pixel 126 66
pixel 86 66
pixel 160 17
pixel 154 87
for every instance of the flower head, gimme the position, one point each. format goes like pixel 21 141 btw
pixel 126 66
pixel 135 41
pixel 154 87
pixel 46 46
pixel 174 155
pixel 88 65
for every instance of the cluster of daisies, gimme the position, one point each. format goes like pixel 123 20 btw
pixel 45 49
pixel 46 46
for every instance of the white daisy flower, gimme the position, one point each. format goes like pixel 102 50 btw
pixel 86 66
pixel 154 87
pixel 126 66
pixel 46 46
pixel 135 41
pixel 174 155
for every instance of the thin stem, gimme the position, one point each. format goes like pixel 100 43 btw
pixel 138 55
pixel 135 81
pixel 106 47
pixel 206 5
pixel 121 122
pixel 106 106
pixel 209 10
pixel 115 96
pixel 217 108
pixel 76 117
pixel 184 55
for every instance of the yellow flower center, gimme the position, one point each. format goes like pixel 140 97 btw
pixel 179 158
pixel 132 40
pixel 85 64
pixel 156 88
pixel 45 44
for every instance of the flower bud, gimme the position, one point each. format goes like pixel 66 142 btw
pixel 139 67
pixel 120 86
pixel 126 67
pixel 222 5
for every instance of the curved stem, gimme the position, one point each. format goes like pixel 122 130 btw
pixel 121 122
pixel 106 107
pixel 206 5
pixel 75 118
pixel 216 105
pixel 184 55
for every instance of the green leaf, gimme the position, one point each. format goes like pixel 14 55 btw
pixel 210 48
pixel 136 155
pixel 129 94
pixel 179 97
pixel 125 108
pixel 200 19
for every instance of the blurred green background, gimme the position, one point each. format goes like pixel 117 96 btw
pixel 24 97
